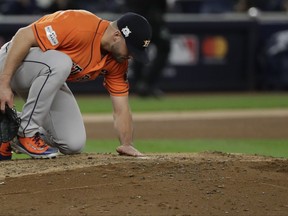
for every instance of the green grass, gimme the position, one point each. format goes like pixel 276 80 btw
pixel 102 104
pixel 275 148
pixel 189 102
pixel 192 102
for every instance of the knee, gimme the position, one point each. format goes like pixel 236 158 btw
pixel 73 146
pixel 62 64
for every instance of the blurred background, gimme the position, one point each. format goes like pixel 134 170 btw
pixel 197 45
pixel 225 56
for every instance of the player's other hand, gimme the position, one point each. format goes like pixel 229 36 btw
pixel 6 97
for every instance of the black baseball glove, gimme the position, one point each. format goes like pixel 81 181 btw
pixel 9 124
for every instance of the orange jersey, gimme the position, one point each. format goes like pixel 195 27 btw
pixel 78 34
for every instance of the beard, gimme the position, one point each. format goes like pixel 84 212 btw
pixel 120 58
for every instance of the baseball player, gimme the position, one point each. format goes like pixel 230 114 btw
pixel 70 45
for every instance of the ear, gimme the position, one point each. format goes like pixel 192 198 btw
pixel 117 36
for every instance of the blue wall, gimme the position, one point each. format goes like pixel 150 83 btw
pixel 217 52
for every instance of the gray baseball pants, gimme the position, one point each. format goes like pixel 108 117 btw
pixel 50 106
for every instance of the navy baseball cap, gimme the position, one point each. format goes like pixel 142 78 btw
pixel 137 33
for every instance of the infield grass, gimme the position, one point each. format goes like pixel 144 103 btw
pixel 185 102
pixel 190 102
pixel 274 148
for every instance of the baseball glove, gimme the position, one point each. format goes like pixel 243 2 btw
pixel 9 124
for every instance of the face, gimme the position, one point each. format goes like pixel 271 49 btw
pixel 119 50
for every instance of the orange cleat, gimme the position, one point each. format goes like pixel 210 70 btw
pixel 34 147
pixel 5 151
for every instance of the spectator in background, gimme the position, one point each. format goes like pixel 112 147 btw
pixel 19 7
pixel 147 77
pixel 95 6
pixel 219 6
pixel 50 6
pixel 284 5
pixel 187 6
pixel 267 5
pixel 55 5
pixel 274 62
pixel 203 6
pixel 222 6
pixel 280 5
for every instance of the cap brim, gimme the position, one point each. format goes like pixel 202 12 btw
pixel 139 55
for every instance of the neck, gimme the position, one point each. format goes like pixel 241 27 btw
pixel 105 41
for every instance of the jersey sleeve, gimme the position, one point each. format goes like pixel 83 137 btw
pixel 116 82
pixel 61 30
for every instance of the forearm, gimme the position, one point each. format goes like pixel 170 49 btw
pixel 18 49
pixel 124 127
pixel 122 119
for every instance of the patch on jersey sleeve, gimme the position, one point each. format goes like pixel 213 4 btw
pixel 51 35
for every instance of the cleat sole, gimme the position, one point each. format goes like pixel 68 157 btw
pixel 17 148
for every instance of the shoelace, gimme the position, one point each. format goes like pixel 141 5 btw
pixel 38 140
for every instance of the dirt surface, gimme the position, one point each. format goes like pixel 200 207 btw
pixel 209 183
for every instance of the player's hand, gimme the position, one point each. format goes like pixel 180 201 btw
pixel 129 150
pixel 6 97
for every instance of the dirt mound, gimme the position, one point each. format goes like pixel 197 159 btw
pixel 161 184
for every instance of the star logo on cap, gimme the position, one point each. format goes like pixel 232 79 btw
pixel 126 31
pixel 146 43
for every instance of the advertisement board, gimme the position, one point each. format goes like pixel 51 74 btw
pixel 208 52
